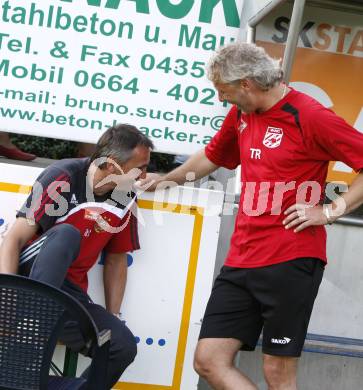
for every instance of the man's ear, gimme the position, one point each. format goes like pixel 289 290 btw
pixel 113 167
pixel 110 167
pixel 245 84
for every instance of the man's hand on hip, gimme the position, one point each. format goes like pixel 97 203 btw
pixel 301 216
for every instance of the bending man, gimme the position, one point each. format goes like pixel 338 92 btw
pixel 78 208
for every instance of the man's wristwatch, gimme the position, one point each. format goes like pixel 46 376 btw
pixel 328 214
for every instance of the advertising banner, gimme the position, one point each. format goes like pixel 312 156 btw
pixel 70 69
pixel 328 63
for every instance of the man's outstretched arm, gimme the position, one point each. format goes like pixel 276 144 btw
pixel 197 166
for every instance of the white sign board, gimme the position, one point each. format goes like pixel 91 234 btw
pixel 169 279
pixel 72 68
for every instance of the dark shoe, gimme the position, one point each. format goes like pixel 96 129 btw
pixel 16 154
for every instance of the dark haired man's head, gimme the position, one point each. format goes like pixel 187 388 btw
pixel 119 142
pixel 121 157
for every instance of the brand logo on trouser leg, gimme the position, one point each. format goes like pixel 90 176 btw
pixel 285 340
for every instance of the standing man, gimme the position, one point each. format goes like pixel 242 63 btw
pixel 78 208
pixel 283 140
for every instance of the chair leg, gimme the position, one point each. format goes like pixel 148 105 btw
pixel 70 363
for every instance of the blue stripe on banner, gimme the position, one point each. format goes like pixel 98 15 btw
pixel 334 339
pixel 336 353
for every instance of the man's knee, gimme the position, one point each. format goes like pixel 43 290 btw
pixel 214 356
pixel 203 362
pixel 70 235
pixel 280 372
pixel 273 371
pixel 68 231
pixel 128 353
pixel 124 347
